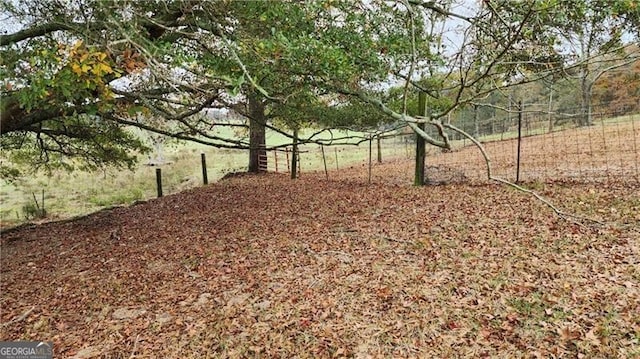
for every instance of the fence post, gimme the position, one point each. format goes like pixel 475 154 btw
pixel 549 111
pixel 519 141
pixel 295 160
pixel 370 157
pixel 286 153
pixel 336 152
pixel 159 181
pixel 203 159
pixel 324 160
pixel 275 159
pixel 379 150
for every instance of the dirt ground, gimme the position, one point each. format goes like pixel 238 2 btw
pixel 262 266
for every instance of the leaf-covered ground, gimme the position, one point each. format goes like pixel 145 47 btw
pixel 262 266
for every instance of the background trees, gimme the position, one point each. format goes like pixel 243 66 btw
pixel 590 38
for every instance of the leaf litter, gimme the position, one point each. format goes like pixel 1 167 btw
pixel 262 266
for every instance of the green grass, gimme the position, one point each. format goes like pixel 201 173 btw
pixel 542 127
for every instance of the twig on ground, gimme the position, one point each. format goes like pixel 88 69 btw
pixel 19 318
pixel 135 346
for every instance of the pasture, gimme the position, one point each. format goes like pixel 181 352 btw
pixel 608 151
pixel 80 192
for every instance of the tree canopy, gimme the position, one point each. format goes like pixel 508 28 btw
pixel 81 78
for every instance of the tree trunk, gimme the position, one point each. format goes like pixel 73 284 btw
pixel 585 103
pixel 257 136
pixel 419 178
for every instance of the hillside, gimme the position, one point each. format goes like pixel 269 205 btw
pixel 262 266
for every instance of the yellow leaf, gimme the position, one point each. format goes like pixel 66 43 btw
pixel 76 68
pixel 106 68
pixel 101 68
pixel 85 68
pixel 77 45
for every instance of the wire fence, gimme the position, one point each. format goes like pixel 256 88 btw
pixel 606 149
pixel 528 146
pixel 551 148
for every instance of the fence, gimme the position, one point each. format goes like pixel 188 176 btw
pixel 607 149
pixel 549 148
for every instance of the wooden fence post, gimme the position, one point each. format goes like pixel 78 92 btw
pixel 203 159
pixel 324 160
pixel 295 160
pixel 370 156
pixel 286 153
pixel 275 159
pixel 159 181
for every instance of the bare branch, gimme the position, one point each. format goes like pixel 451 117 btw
pixel 19 318
pixel 234 144
pixel 562 214
pixel 36 31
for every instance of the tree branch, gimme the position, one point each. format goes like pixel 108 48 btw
pixel 562 214
pixel 36 31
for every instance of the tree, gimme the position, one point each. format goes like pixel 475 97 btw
pixel 617 91
pixel 590 34
pixel 91 75
pixel 165 69
pixel 169 63
pixel 64 89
